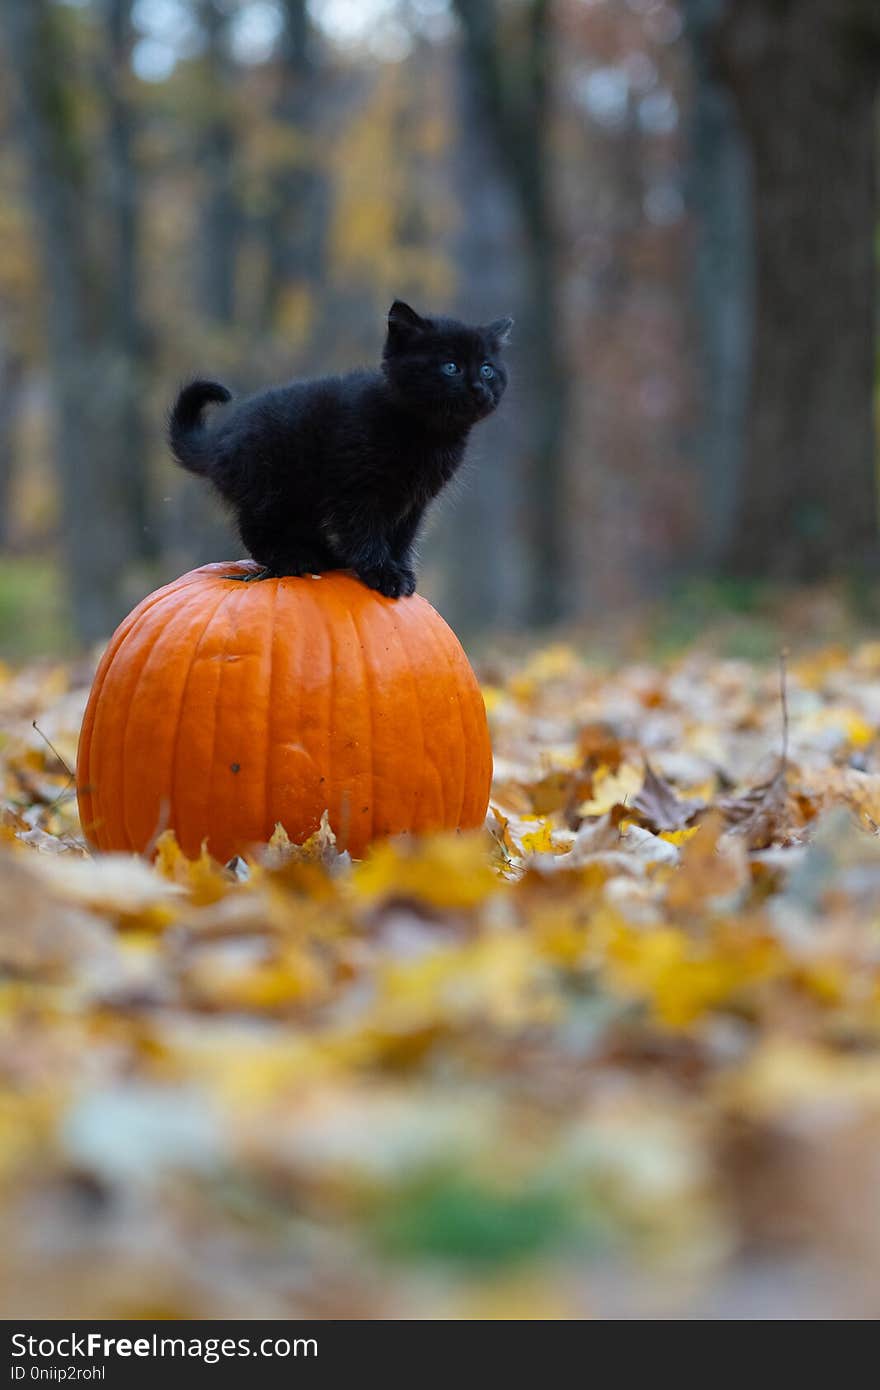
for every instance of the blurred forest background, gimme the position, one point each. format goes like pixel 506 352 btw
pixel 676 201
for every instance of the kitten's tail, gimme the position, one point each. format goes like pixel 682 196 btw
pixel 185 422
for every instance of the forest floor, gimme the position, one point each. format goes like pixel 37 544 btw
pixel 617 1056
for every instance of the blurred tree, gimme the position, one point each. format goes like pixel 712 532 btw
pixel 508 49
pixel 21 343
pixel 101 489
pixel 484 565
pixel 720 197
pixel 207 138
pixel 11 376
pixel 221 217
pixel 126 332
pixel 294 223
pixel 804 78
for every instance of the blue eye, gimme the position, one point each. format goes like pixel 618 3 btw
pixel 487 371
pixel 451 368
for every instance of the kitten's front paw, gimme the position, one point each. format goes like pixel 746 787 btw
pixel 407 581
pixel 391 580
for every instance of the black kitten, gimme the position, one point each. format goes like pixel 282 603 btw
pixel 337 473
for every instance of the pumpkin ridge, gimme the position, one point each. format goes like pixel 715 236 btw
pixel 222 598
pixel 108 656
pixel 194 579
pixel 84 782
pixel 474 733
pixel 131 798
pixel 390 622
pixel 117 796
pixel 383 628
pixel 341 611
pixel 325 755
pixel 446 656
pixel 270 707
pixel 365 679
pixel 243 595
pixel 417 702
pixel 371 670
pixel 119 763
pixel 290 606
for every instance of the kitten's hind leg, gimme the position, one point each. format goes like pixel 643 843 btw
pixel 264 572
pixel 279 555
pixel 291 566
pixel 299 562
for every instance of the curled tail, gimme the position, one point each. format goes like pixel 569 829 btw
pixel 185 422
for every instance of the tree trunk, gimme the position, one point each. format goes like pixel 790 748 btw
pixel 545 508
pixel 11 373
pixel 294 226
pixel 97 528
pixel 479 537
pixel 512 83
pixel 804 78
pixel 221 211
pixel 720 199
pixel 126 333
pixel 197 530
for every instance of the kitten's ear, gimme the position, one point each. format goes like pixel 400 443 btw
pixel 499 331
pixel 403 320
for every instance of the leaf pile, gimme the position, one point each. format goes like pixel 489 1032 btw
pixel 617 1056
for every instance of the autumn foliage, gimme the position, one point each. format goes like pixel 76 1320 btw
pixel 615 1054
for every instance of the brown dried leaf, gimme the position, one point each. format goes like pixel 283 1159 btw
pixel 760 815
pixel 658 808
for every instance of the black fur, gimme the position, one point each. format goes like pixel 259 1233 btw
pixel 337 473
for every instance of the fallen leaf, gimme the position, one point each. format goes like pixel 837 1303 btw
pixel 659 808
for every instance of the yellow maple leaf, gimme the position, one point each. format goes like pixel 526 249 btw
pixel 683 977
pixel 612 788
pixel 291 977
pixel 524 835
pixel 203 877
pixel 447 871
pixel 497 979
pixel 843 720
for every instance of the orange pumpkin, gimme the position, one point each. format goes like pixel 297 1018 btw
pixel 221 708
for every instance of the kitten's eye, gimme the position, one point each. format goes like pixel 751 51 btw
pixel 487 371
pixel 450 369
